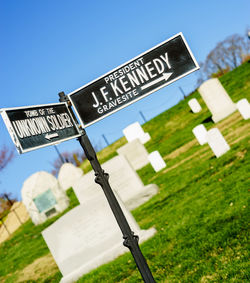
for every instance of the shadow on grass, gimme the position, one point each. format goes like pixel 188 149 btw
pixel 207 120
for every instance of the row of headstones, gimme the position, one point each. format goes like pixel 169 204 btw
pixel 92 221
pixel 136 153
pixel 88 235
pixel 130 192
pixel 218 101
pixel 220 105
pixel 43 202
pixel 242 106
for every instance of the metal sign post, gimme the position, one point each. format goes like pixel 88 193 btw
pixel 130 240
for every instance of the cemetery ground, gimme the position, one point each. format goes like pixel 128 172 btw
pixel 200 213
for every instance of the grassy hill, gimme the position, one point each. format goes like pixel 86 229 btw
pixel 200 213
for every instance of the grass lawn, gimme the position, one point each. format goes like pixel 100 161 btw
pixel 200 213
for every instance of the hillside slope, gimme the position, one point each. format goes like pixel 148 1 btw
pixel 200 213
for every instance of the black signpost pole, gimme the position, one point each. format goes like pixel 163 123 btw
pixel 130 240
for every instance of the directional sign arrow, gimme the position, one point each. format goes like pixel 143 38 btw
pixel 135 79
pixel 165 76
pixel 37 126
pixel 51 136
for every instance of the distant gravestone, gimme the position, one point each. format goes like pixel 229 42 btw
pixel 68 175
pixel 43 197
pixel 136 154
pixel 135 131
pixel 200 132
pixel 217 100
pixel 194 105
pixel 243 107
pixel 156 161
pixel 123 180
pixel 87 237
pixel 217 142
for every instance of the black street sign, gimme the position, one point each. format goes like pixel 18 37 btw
pixel 34 127
pixel 146 73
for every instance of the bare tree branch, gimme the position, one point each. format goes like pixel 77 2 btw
pixel 75 157
pixel 227 55
pixel 6 155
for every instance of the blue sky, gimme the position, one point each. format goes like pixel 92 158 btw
pixel 52 46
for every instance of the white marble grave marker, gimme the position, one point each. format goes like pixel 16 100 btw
pixel 244 108
pixel 136 154
pixel 194 105
pixel 217 100
pixel 156 161
pixel 123 180
pixel 68 175
pixel 217 142
pixel 43 197
pixel 200 133
pixel 87 237
pixel 135 131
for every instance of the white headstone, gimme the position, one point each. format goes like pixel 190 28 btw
pixel 200 133
pixel 194 105
pixel 87 237
pixel 244 108
pixel 136 154
pixel 145 138
pixel 217 100
pixel 68 175
pixel 123 180
pixel 43 197
pixel 156 161
pixel 217 142
pixel 135 131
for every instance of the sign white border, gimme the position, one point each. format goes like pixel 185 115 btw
pixel 14 137
pixel 197 67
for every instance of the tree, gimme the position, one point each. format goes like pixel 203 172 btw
pixel 74 157
pixel 227 55
pixel 6 155
pixel 6 201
